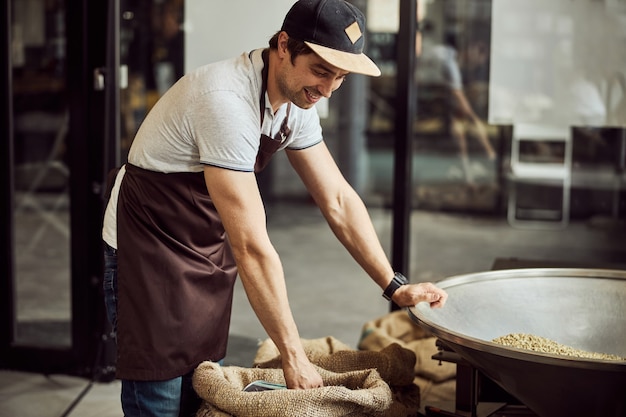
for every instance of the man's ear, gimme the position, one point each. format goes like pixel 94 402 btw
pixel 282 44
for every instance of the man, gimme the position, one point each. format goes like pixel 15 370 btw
pixel 438 65
pixel 177 248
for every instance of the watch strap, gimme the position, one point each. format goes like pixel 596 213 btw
pixel 397 281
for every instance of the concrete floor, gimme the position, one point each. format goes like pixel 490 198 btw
pixel 329 293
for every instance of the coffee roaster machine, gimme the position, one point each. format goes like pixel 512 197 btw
pixel 581 308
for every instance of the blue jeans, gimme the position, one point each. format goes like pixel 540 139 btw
pixel 170 398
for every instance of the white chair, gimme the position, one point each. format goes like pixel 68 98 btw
pixel 533 170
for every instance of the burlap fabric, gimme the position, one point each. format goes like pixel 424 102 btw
pixel 267 355
pixel 436 380
pixel 394 365
pixel 351 394
pixel 398 328
pixel 387 377
pixel 356 383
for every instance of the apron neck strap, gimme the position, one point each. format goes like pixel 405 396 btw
pixel 264 72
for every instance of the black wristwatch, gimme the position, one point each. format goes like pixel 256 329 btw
pixel 397 281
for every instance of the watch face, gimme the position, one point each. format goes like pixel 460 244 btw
pixel 401 278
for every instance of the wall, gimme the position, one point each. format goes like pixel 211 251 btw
pixel 218 30
pixel 558 62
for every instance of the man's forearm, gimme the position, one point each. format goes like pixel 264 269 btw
pixel 263 280
pixel 351 223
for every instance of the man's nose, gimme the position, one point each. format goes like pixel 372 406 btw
pixel 327 87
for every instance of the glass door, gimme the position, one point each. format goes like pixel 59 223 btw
pixel 41 241
pixel 51 186
pixel 79 78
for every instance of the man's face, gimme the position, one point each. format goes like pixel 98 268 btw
pixel 309 78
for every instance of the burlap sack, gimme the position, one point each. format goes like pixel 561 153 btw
pixel 267 356
pixel 394 365
pixel 351 394
pixel 398 328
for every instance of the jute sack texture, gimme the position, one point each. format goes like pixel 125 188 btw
pixel 394 364
pixel 356 383
pixel 380 379
pixel 398 328
pixel 351 394
pixel 435 379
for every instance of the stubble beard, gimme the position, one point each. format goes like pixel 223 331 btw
pixel 297 97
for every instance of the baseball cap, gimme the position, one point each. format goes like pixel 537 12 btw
pixel 334 30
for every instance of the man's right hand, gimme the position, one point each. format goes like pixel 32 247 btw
pixel 301 374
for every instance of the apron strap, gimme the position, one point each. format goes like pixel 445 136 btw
pixel 268 145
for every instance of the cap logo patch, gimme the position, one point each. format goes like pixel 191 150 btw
pixel 354 32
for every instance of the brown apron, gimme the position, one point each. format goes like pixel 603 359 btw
pixel 176 271
pixel 268 146
pixel 175 275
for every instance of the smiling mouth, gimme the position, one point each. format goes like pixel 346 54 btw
pixel 312 97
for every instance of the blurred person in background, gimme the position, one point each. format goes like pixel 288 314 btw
pixel 438 66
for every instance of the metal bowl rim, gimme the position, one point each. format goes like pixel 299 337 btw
pixel 516 353
pixel 533 273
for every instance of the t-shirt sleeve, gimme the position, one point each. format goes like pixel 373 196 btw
pixel 453 72
pixel 307 131
pixel 225 128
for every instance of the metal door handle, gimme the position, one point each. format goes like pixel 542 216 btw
pixel 98 78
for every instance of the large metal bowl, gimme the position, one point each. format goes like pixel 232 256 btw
pixel 581 308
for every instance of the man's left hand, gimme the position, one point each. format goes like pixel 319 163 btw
pixel 411 294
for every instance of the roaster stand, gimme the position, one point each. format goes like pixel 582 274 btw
pixel 476 394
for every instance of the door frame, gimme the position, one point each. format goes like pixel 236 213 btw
pixel 91 353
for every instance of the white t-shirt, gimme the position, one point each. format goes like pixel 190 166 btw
pixel 211 116
pixel 438 65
